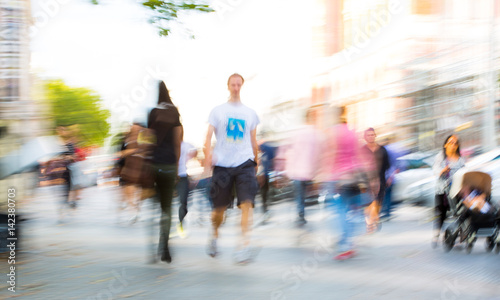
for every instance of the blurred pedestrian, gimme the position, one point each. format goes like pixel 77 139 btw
pixel 188 152
pixel 69 157
pixel 266 166
pixel 381 158
pixel 447 162
pixel 78 181
pixel 134 174
pixel 394 150
pixel 302 162
pixel 234 162
pixel 164 120
pixel 57 172
pixel 201 189
pixel 346 174
pixel 120 140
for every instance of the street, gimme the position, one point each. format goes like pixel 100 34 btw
pixel 93 256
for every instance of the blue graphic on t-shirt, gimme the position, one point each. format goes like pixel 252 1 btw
pixel 235 129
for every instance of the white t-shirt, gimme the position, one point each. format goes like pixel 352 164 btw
pixel 186 148
pixel 233 123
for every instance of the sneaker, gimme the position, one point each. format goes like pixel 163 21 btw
pixel 243 256
pixel 180 231
pixel 267 216
pixel 301 221
pixel 212 248
pixel 434 242
pixel 133 219
pixel 345 255
pixel 165 256
pixel 386 218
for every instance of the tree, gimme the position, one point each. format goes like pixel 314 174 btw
pixel 81 107
pixel 164 12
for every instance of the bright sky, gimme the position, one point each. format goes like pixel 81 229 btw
pixel 112 49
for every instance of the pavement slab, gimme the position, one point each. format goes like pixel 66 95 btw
pixel 95 255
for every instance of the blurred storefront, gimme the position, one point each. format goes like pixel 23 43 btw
pixel 19 117
pixel 420 69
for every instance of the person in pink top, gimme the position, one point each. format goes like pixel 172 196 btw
pixel 342 163
pixel 302 162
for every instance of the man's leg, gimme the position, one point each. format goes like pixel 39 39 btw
pixel 220 192
pixel 217 218
pixel 183 192
pixel 387 203
pixel 246 221
pixel 264 191
pixel 299 191
pixel 246 189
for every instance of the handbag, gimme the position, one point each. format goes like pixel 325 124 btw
pixel 356 182
pixel 138 170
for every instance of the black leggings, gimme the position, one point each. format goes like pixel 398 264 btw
pixel 442 206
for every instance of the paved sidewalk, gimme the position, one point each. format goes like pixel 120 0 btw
pixel 91 256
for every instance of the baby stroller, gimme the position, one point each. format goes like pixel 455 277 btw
pixel 472 224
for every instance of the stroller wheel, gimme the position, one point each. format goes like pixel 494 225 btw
pixel 490 244
pixel 469 246
pixel 448 240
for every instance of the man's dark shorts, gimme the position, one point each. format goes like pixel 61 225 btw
pixel 241 177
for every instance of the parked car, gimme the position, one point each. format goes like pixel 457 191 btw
pixel 492 167
pixel 422 190
pixel 418 166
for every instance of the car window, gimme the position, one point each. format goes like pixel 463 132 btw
pixel 415 164
pixel 416 160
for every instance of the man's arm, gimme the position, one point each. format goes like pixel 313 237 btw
pixel 255 146
pixel 192 153
pixel 207 149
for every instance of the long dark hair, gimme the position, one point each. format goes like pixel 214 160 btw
pixel 446 142
pixel 163 95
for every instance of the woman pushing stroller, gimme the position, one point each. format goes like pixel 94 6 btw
pixel 446 164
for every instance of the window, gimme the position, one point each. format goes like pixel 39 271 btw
pixel 422 7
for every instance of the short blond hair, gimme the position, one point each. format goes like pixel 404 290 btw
pixel 235 75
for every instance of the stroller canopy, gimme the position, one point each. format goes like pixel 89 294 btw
pixel 475 180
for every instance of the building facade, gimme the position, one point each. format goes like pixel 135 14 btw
pixel 19 117
pixel 418 68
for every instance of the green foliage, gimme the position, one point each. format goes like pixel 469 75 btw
pixel 163 12
pixel 166 11
pixel 81 106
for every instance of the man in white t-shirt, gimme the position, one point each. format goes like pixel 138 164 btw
pixel 234 162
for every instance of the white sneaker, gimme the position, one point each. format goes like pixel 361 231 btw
pixel 212 247
pixel 243 256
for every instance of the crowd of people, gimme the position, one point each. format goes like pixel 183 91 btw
pixel 350 175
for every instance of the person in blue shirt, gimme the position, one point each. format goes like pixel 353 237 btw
pixel 268 151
